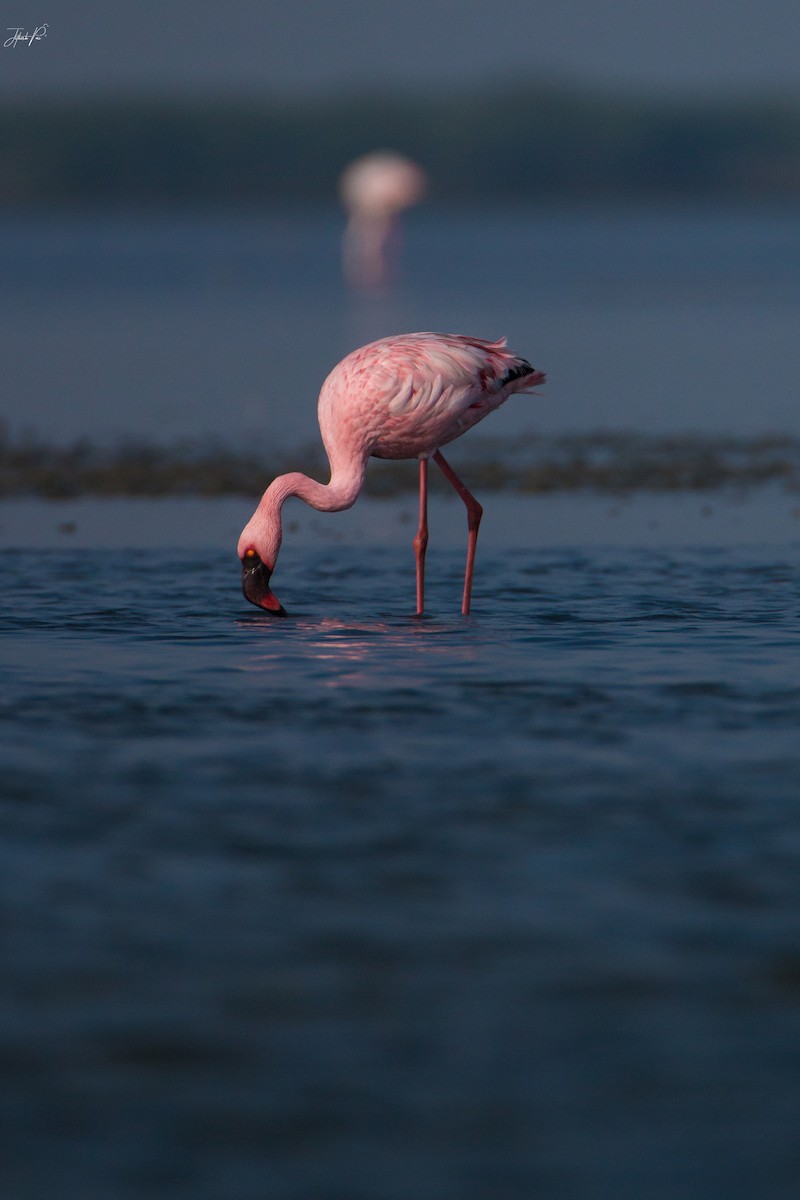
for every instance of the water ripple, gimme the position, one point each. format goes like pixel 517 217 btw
pixel 275 893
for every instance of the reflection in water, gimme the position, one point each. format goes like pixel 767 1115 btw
pixel 392 652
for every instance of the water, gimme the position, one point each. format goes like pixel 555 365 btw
pixel 357 905
pixel 168 326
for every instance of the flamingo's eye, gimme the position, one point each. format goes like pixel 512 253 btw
pixel 250 553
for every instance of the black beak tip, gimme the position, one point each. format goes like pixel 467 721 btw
pixel 256 589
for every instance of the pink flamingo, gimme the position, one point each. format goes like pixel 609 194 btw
pixel 375 190
pixel 400 397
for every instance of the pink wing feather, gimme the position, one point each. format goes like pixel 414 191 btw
pixel 409 394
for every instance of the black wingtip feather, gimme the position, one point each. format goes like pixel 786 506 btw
pixel 523 367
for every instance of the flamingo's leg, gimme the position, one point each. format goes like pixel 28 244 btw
pixel 421 540
pixel 474 514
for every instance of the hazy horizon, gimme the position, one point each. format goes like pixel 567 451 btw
pixel 262 48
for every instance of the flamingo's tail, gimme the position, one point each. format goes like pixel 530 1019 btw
pixel 522 376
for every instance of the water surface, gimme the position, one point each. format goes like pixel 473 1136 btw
pixel 175 325
pixel 358 905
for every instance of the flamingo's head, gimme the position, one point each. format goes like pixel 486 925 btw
pixel 255 583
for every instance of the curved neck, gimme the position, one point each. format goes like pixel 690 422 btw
pixel 264 530
pixel 342 491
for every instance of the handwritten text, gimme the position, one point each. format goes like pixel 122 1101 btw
pixel 18 34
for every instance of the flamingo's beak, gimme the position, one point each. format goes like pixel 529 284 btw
pixel 255 585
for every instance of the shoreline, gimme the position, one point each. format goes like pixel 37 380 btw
pixel 764 516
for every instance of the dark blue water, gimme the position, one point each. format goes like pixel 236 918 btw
pixel 176 325
pixel 358 906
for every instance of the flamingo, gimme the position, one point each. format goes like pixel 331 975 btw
pixel 375 190
pixel 399 397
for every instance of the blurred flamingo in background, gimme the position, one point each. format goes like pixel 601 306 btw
pixel 375 190
pixel 400 397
